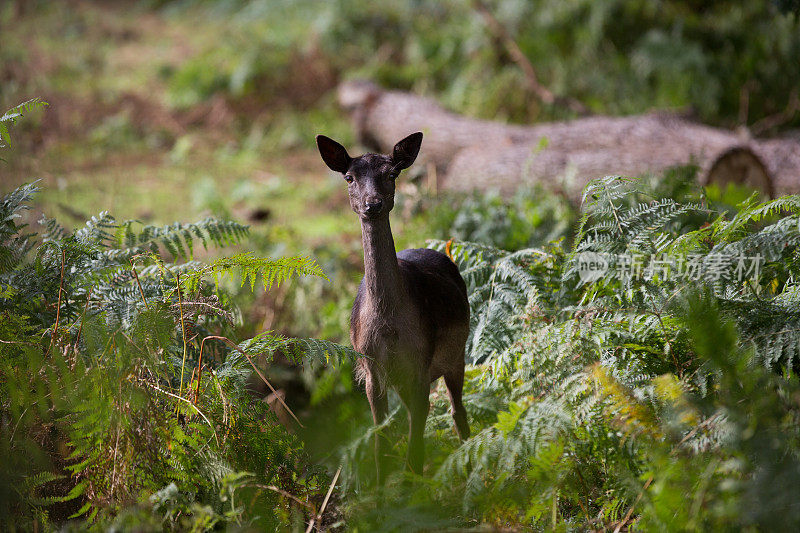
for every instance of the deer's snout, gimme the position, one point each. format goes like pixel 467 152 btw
pixel 373 206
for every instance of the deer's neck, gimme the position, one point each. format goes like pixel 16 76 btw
pixel 382 277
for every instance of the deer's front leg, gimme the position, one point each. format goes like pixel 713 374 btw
pixel 379 405
pixel 418 405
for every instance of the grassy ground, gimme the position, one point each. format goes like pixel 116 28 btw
pixel 119 136
pixel 112 139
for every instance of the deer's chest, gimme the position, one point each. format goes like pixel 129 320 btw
pixel 382 335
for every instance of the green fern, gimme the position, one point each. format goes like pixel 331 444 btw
pixel 106 346
pixel 271 271
pixel 10 117
pixel 584 392
pixel 14 244
pixel 177 238
pixel 500 286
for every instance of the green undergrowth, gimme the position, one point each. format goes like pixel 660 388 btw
pixel 661 401
pixel 652 403
pixel 125 402
pixel 601 395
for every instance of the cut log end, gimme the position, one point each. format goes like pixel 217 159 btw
pixel 740 165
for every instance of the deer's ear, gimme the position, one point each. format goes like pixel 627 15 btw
pixel 334 154
pixel 406 151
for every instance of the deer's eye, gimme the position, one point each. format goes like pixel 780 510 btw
pixel 348 178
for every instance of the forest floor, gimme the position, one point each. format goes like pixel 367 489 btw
pixel 112 138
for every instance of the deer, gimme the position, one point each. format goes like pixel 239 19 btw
pixel 411 313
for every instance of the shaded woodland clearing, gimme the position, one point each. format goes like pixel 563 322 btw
pixel 592 405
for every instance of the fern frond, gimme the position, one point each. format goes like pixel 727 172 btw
pixel 296 349
pixel 177 238
pixel 10 117
pixel 271 271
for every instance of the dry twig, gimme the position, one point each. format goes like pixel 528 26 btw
pixel 778 119
pixel 58 308
pixel 235 347
pixel 324 502
pixel 518 56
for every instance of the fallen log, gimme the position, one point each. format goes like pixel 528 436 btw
pixel 471 153
pixel 382 117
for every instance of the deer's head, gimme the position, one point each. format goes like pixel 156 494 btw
pixel 370 177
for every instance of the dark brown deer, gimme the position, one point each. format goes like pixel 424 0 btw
pixel 411 314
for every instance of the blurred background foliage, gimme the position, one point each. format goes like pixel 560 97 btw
pixel 166 109
pixel 594 406
pixel 211 87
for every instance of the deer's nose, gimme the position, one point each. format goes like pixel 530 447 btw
pixel 374 206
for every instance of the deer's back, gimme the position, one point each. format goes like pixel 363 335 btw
pixel 435 285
